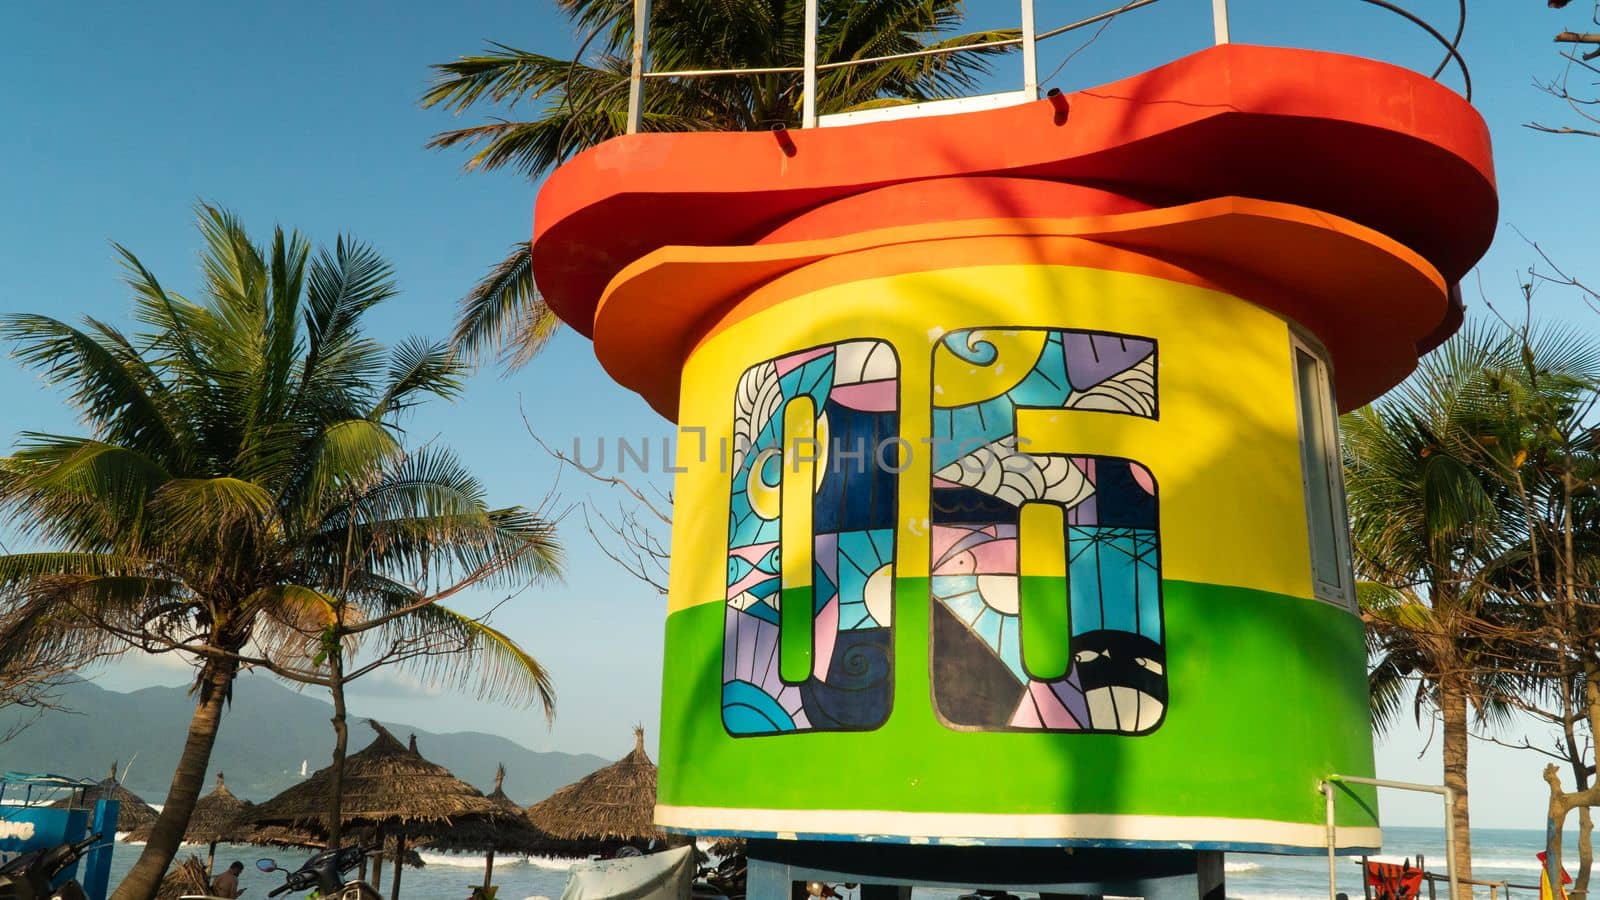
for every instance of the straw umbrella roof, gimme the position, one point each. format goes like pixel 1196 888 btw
pixel 185 879
pixel 385 783
pixel 216 818
pixel 135 813
pixel 615 803
pixel 290 837
pixel 498 795
pixel 511 832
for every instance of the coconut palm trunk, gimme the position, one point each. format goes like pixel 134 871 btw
pixel 144 879
pixel 341 743
pixel 1453 709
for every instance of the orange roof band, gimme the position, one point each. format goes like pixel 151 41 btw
pixel 1345 193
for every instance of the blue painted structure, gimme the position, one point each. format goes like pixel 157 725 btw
pixel 32 825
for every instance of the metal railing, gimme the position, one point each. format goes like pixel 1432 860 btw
pixel 1448 793
pixel 1028 40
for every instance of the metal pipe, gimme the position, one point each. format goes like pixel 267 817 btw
pixel 913 54
pixel 1333 840
pixel 706 73
pixel 1030 53
pixel 1450 839
pixel 1461 29
pixel 1455 53
pixel 1003 42
pixel 1449 814
pixel 641 25
pixel 1386 783
pixel 808 108
pixel 1219 15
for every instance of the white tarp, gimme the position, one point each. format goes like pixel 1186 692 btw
pixel 667 875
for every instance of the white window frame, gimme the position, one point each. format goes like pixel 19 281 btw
pixel 1342 594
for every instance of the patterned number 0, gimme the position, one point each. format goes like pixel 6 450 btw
pixel 1046 584
pixel 808 638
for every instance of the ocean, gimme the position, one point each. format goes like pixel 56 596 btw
pixel 1498 855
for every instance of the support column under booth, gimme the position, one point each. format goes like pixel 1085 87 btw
pixel 884 870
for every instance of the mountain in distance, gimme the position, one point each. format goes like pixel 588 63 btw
pixel 265 734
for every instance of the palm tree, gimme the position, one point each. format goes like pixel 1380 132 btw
pixel 1548 454
pixel 238 448
pixel 581 102
pixel 1424 517
pixel 1437 520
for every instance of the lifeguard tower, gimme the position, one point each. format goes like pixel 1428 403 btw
pixel 1014 551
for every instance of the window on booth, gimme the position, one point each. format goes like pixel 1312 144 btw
pixel 1331 574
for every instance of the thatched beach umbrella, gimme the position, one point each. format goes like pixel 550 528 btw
pixel 294 838
pixel 511 833
pixel 217 818
pixel 188 878
pixel 615 804
pixel 135 813
pixel 387 786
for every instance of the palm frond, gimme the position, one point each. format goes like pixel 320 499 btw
pixel 1387 689
pixel 109 383
pixel 419 369
pixel 488 663
pixel 79 492
pixel 208 508
pixel 502 74
pixel 25 567
pixel 342 459
pixel 504 315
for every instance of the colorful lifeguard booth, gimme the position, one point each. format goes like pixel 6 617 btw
pixel 1010 515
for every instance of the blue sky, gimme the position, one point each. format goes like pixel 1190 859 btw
pixel 121 116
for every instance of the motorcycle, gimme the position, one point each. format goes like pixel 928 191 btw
pixel 324 875
pixel 29 876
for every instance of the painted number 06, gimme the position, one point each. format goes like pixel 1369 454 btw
pixel 1045 568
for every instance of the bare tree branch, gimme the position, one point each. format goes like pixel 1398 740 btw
pixel 630 536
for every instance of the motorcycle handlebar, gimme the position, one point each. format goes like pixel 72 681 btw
pixel 63 855
pixel 85 844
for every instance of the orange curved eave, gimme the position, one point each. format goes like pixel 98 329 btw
pixel 1370 144
pixel 1366 296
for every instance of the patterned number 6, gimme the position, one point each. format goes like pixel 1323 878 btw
pixel 1046 573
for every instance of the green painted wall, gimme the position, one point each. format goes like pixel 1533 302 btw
pixel 1265 692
